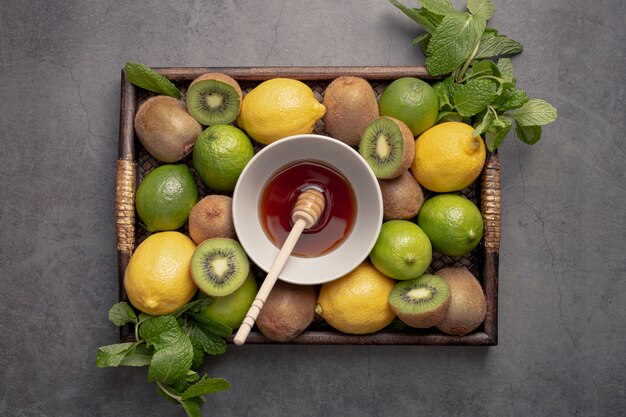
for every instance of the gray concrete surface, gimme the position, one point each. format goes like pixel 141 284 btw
pixel 562 348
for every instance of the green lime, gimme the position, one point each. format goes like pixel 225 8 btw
pixel 231 309
pixel 402 250
pixel 146 78
pixel 220 154
pixel 453 224
pixel 166 196
pixel 411 100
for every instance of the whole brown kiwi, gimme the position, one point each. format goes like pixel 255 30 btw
pixel 166 129
pixel 467 306
pixel 288 311
pixel 350 106
pixel 212 217
pixel 402 197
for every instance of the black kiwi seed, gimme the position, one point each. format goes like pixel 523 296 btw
pixel 388 147
pixel 219 266
pixel 421 302
pixel 214 101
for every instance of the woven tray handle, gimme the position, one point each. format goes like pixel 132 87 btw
pixel 125 206
pixel 490 203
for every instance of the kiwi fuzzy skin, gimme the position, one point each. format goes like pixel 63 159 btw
pixel 350 106
pixel 165 128
pixel 409 148
pixel 212 217
pixel 468 305
pixel 288 311
pixel 402 197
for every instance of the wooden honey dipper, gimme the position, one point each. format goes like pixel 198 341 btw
pixel 306 213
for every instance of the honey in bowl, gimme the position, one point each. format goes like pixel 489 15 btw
pixel 279 196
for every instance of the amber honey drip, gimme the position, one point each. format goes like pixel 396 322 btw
pixel 280 194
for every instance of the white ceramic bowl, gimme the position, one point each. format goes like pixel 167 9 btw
pixel 369 211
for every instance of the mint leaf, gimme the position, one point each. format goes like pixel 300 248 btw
pixel 112 355
pixel 198 356
pixel 171 363
pixel 421 40
pixel 474 97
pixel 482 8
pixel 453 41
pixel 192 376
pixel 449 116
pixel 497 132
pixel 192 407
pixel 433 19
pixel 141 356
pixel 442 94
pixel 192 306
pixel 206 386
pixel 535 112
pixel 144 317
pixel 494 46
pixel 511 99
pixel 162 394
pixel 506 68
pixel 121 313
pixel 207 341
pixel 484 124
pixel 146 78
pixel 414 14
pixel 211 326
pixel 528 134
pixel 161 332
pixel 485 67
pixel 440 7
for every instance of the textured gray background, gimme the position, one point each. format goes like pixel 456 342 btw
pixel 562 349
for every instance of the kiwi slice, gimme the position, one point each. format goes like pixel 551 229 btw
pixel 214 99
pixel 421 302
pixel 388 147
pixel 219 266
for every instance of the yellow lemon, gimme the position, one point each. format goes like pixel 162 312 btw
pixel 448 157
pixel 357 303
pixel 158 277
pixel 278 108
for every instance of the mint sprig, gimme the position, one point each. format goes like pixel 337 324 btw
pixel 480 89
pixel 172 347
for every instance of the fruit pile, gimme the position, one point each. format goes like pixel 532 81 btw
pixel 191 282
pixel 192 243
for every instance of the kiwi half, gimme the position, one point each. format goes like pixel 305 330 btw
pixel 421 302
pixel 219 266
pixel 214 98
pixel 388 147
pixel 468 305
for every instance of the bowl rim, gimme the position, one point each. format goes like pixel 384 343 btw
pixel 338 272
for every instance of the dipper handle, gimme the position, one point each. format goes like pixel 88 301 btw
pixel 305 214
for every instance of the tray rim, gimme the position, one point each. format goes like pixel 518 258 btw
pixel 127 174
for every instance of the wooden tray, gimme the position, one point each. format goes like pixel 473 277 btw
pixel 134 163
